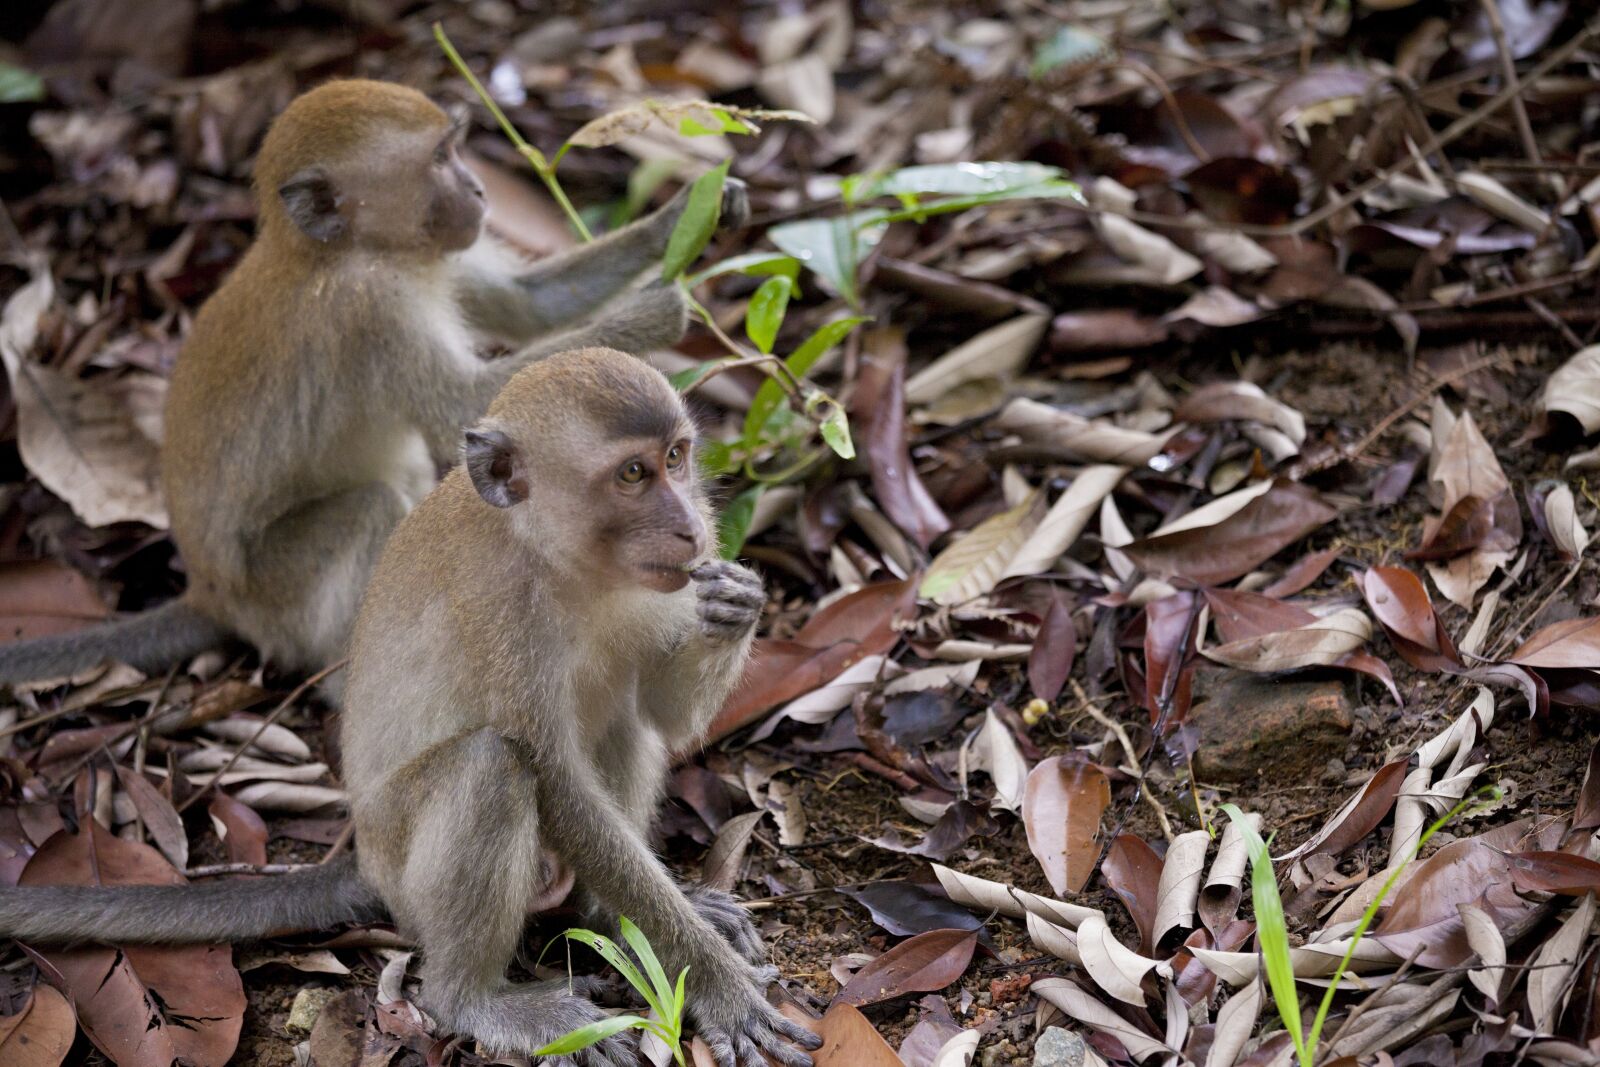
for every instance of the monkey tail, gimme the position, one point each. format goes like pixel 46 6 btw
pixel 151 640
pixel 205 913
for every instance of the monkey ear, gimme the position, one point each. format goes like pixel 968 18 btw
pixel 495 467
pixel 312 201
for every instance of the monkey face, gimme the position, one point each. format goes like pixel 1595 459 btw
pixel 456 211
pixel 652 522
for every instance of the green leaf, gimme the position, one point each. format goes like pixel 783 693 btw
pixel 960 179
pixel 1069 44
pixel 715 457
pixel 643 181
pixel 1050 190
pixel 592 1034
pixel 769 397
pixel 682 380
pixel 19 85
pixel 614 955
pixel 697 223
pixel 836 432
pixel 1273 932
pixel 831 248
pixel 652 966
pixel 677 994
pixel 734 523
pixel 765 312
pixel 752 263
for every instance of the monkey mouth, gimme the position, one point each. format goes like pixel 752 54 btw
pixel 666 577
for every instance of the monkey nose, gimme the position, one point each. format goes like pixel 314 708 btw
pixel 693 537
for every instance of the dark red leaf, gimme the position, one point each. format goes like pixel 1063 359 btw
pixel 1239 543
pixel 1061 808
pixel 1133 871
pixel 879 410
pixel 1554 872
pixel 925 963
pixel 1303 573
pixel 1054 650
pixel 241 829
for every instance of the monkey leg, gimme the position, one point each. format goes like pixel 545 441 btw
pixel 313 564
pixel 471 875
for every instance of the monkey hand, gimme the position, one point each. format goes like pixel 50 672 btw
pixel 729 919
pixel 561 1012
pixel 729 603
pixel 742 1029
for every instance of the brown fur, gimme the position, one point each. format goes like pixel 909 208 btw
pixel 327 380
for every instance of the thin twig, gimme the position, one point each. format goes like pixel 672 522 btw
pixel 1372 998
pixel 1508 71
pixel 216 870
pixel 1115 727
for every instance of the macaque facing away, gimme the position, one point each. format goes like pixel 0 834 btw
pixel 328 379
pixel 539 635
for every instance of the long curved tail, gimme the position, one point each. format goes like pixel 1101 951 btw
pixel 203 913
pixel 151 640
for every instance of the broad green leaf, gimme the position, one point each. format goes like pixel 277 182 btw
pixel 593 1034
pixel 683 379
pixel 755 264
pixel 652 966
pixel 697 223
pixel 764 315
pixel 835 431
pixel 734 524
pixel 1272 930
pixel 1049 190
pixel 726 123
pixel 715 457
pixel 960 179
pixel 1069 44
pixel 19 85
pixel 769 397
pixel 831 248
pixel 677 994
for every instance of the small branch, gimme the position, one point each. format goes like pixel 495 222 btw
pixel 1508 71
pixel 216 870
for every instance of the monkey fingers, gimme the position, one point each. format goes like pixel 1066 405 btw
pixel 729 919
pixel 730 599
pixel 766 1031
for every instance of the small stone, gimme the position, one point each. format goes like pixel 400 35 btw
pixel 308 1004
pixel 1334 772
pixel 1058 1048
pixel 1251 726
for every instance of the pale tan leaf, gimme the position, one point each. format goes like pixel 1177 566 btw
pixel 726 856
pixel 1179 888
pixel 974 564
pixel 1054 938
pixel 1241 400
pixel 275 740
pixel 1157 259
pixel 1089 1011
pixel 998 352
pixel 1460 579
pixel 1065 520
pixel 1115 967
pixel 1496 198
pixel 1213 512
pixel 1320 643
pixel 1079 438
pixel 1467 466
pixel 1561 516
pixel 287 796
pixel 1236 1019
pixel 995 751
pixel 958 1051
pixel 1550 968
pixel 1574 388
pixel 939 676
pixel 1483 935
pixel 1061 809
pixel 984 894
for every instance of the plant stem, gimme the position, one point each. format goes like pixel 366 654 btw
pixel 545 170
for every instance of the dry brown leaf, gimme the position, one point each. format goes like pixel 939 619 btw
pixel 995 751
pixel 975 563
pixel 1574 388
pixel 1179 889
pixel 41 1034
pixel 87 440
pixel 998 352
pixel 1079 1005
pixel 1065 520
pixel 1077 437
pixel 1115 967
pixel 1321 643
pixel 985 895
pixel 1061 809
pixel 1549 970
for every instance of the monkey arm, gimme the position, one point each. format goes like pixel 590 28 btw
pixel 564 288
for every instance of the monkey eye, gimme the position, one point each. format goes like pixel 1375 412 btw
pixel 631 473
pixel 675 456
